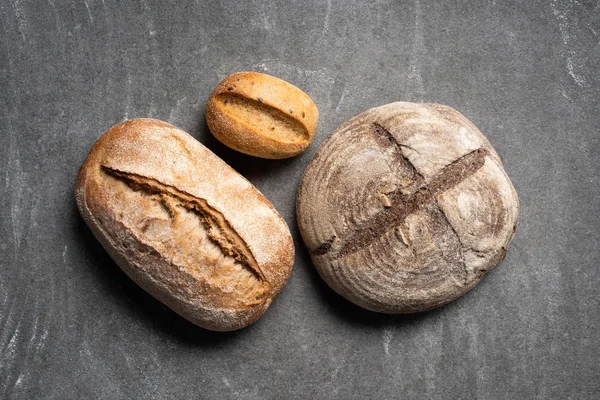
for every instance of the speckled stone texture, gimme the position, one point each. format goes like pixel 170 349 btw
pixel 526 73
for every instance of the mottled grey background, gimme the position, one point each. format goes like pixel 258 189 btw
pixel 73 326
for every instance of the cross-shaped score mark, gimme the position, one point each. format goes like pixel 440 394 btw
pixel 418 195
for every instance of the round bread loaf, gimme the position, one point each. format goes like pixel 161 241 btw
pixel 184 225
pixel 260 115
pixel 406 207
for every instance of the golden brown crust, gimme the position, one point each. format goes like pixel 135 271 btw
pixel 260 115
pixel 184 225
pixel 406 207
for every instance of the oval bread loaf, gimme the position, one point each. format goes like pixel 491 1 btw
pixel 406 207
pixel 184 225
pixel 260 115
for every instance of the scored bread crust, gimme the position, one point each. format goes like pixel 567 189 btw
pixel 261 94
pixel 141 168
pixel 406 207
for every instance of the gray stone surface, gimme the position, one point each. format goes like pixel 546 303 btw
pixel 73 326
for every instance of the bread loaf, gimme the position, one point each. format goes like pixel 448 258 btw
pixel 184 225
pixel 260 115
pixel 406 207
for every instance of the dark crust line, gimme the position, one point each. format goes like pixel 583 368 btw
pixel 422 194
pixel 261 107
pixel 209 217
pixel 325 247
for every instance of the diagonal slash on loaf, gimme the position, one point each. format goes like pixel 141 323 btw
pixel 405 201
pixel 219 230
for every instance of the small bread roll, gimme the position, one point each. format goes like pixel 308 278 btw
pixel 184 225
pixel 260 115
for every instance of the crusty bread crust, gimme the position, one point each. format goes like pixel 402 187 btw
pixel 260 115
pixel 184 225
pixel 406 207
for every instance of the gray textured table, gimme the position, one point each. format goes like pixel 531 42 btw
pixel 527 73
